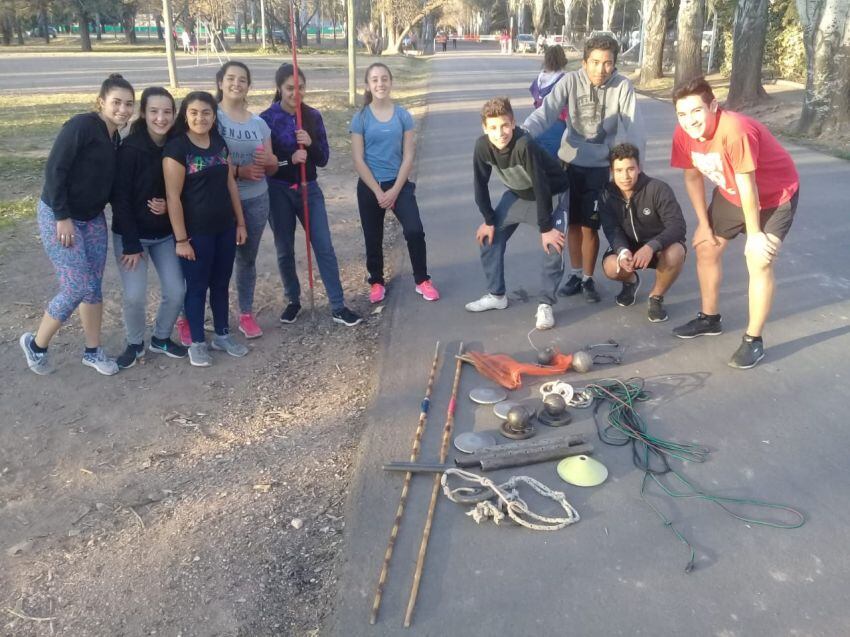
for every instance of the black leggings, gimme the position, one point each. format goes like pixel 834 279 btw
pixel 372 220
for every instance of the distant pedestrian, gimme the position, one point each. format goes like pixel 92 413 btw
pixel 141 230
pixel 78 181
pixel 287 208
pixel 382 146
pixel 206 215
pixel 554 62
pixel 186 39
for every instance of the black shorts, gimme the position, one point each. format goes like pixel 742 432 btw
pixel 586 186
pixel 634 247
pixel 727 219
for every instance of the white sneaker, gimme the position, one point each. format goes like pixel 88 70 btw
pixel 488 302
pixel 545 317
pixel 100 362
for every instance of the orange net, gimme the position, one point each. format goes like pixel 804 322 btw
pixel 506 371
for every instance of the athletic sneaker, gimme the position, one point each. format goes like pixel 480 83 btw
pixel 290 313
pixel 100 362
pixel 168 347
pixel 588 287
pixel 487 302
pixel 545 317
pixel 702 325
pixel 628 292
pixel 183 332
pixel 225 343
pixel 130 355
pixel 38 362
pixel 428 291
pixel 248 326
pixel 571 287
pixel 748 354
pixel 656 312
pixel 377 293
pixel 346 317
pixel 199 355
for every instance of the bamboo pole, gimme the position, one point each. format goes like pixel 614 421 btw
pixel 402 501
pixel 432 505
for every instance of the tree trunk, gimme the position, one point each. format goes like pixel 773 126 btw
pixel 652 67
pixel 19 29
pixel 748 40
pixel 689 41
pixel 608 7
pixel 238 27
pixel 826 36
pixel 538 16
pixel 85 39
pixel 129 23
pixel 589 5
pixel 43 20
pixel 159 35
pixel 98 26
pixel 568 17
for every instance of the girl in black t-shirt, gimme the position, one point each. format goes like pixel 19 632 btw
pixel 206 215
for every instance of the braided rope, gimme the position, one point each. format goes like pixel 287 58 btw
pixel 507 496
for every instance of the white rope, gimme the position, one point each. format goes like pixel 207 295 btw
pixel 509 501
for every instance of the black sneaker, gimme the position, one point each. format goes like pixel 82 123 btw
pixel 290 313
pixel 702 325
pixel 748 354
pixel 346 317
pixel 168 347
pixel 656 312
pixel 130 355
pixel 628 292
pixel 571 287
pixel 589 289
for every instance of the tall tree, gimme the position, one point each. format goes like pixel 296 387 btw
pixel 402 16
pixel 655 30
pixel 608 7
pixel 826 35
pixel 689 40
pixel 748 39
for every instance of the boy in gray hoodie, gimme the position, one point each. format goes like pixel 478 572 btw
pixel 602 111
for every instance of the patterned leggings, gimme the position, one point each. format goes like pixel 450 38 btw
pixel 80 267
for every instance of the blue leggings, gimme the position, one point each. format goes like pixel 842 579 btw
pixel 80 266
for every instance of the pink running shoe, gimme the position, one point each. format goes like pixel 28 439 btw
pixel 183 332
pixel 428 291
pixel 248 326
pixel 377 293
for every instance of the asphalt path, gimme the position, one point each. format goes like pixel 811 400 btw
pixel 777 432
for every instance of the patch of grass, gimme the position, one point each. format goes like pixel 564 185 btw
pixel 13 211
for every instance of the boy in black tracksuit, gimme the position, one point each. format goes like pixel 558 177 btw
pixel 645 228
pixel 532 177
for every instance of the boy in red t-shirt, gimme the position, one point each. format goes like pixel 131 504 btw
pixel 756 192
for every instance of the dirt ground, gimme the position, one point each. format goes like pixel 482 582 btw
pixel 172 500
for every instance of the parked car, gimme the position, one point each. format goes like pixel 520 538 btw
pixel 525 43
pixel 38 32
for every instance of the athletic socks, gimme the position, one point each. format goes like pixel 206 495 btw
pixel 91 350
pixel 35 348
pixel 585 277
pixel 576 272
pixel 752 339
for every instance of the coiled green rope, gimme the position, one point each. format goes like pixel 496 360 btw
pixel 651 455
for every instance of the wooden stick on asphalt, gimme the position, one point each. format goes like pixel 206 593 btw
pixel 402 501
pixel 426 532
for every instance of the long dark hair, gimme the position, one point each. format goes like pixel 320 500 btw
pixel 180 124
pixel 115 80
pixel 283 73
pixel 367 94
pixel 149 92
pixel 219 76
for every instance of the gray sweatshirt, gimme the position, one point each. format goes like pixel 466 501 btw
pixel 599 118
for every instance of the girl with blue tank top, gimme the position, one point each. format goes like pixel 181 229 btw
pixel 382 146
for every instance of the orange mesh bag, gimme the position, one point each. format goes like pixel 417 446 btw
pixel 506 371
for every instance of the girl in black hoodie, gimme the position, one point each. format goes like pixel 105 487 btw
pixel 142 230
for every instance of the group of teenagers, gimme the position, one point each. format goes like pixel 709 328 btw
pixel 575 166
pixel 191 192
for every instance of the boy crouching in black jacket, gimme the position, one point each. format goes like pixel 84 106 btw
pixel 645 228
pixel 531 177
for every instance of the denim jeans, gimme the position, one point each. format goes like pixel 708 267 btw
pixel 508 218
pixel 286 207
pixel 256 212
pixel 161 253
pixel 211 270
pixel 372 220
